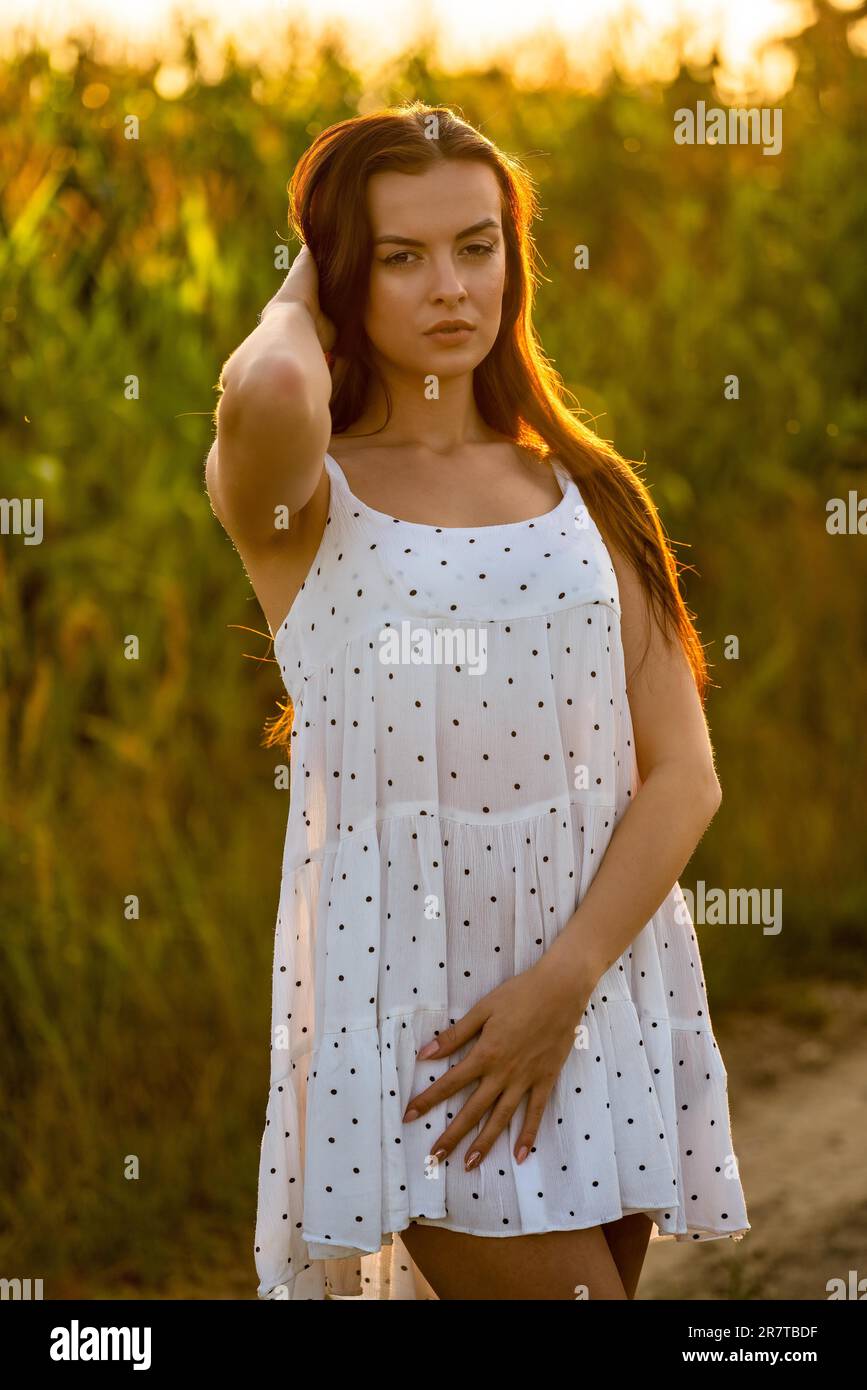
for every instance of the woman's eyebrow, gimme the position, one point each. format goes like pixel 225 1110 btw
pixel 468 231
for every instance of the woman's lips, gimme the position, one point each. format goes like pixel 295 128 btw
pixel 451 335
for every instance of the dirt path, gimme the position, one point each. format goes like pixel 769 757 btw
pixel 798 1100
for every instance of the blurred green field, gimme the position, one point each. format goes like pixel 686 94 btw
pixel 152 257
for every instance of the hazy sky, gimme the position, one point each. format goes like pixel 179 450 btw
pixel 470 31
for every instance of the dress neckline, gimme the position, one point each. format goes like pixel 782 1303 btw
pixel 564 478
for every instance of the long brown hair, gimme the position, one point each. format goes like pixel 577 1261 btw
pixel 517 390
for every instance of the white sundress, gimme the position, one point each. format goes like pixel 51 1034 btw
pixel 461 754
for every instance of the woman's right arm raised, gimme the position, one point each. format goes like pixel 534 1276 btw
pixel 273 420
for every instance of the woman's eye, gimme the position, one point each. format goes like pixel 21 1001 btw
pixel 478 249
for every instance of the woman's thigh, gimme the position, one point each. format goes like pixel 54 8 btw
pixel 628 1239
pixel 552 1265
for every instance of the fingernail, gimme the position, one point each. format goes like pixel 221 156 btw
pixel 472 1160
pixel 411 1115
pixel 440 1154
pixel 429 1050
pixel 522 1154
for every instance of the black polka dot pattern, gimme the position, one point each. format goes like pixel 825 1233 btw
pixel 461 755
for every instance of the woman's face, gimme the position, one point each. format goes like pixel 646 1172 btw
pixel 438 253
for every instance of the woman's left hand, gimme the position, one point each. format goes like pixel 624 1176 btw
pixel 527 1029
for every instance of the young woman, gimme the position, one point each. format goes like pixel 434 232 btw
pixel 499 763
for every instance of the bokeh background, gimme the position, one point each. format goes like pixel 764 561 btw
pixel 149 1037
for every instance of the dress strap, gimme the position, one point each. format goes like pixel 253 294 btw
pixel 564 477
pixel 343 503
